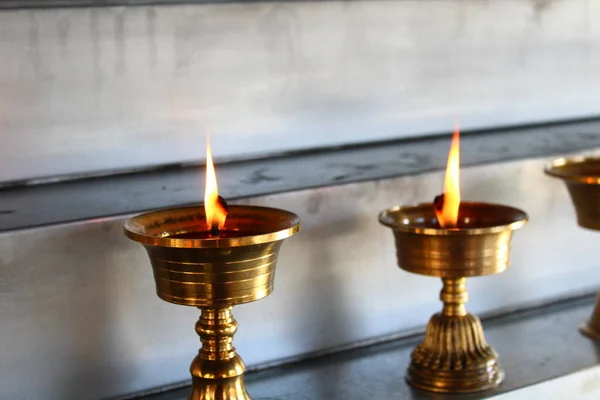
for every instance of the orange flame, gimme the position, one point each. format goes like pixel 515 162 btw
pixel 215 212
pixel 448 217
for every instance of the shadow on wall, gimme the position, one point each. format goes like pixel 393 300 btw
pixel 92 324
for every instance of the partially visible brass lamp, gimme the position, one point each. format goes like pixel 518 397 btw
pixel 213 258
pixel 582 178
pixel 453 240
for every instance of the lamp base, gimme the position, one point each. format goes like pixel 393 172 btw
pixel 217 371
pixel 454 356
pixel 591 328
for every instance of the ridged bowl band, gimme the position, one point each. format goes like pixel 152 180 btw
pixel 213 271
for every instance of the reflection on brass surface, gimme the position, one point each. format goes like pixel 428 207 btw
pixel 582 177
pixel 454 356
pixel 214 274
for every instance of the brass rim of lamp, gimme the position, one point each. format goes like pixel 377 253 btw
pixel 580 169
pixel 266 224
pixel 419 219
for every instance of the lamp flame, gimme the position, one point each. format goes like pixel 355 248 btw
pixel 448 215
pixel 215 210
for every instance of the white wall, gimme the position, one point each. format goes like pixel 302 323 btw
pixel 90 89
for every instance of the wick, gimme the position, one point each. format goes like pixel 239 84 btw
pixel 438 203
pixel 214 229
pixel 223 204
pixel 438 206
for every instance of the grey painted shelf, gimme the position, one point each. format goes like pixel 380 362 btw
pixel 535 345
pixel 26 205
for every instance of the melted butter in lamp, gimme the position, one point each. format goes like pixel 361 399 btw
pixel 207 235
pixel 470 217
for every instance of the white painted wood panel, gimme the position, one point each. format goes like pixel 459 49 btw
pixel 91 89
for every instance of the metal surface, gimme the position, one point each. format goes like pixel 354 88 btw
pixel 214 273
pixel 217 371
pixel 454 356
pixel 581 175
pixel 81 298
pixel 372 372
pixel 582 178
pixel 479 247
pixel 29 206
pixel 313 74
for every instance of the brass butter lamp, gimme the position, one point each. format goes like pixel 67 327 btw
pixel 453 240
pixel 213 258
pixel 581 175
